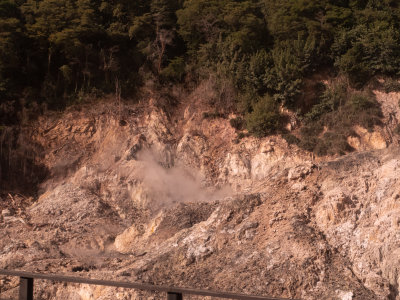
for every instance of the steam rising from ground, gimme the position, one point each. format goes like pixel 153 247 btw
pixel 169 186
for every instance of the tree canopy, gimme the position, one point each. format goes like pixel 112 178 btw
pixel 52 51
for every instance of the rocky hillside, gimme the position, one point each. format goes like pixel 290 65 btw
pixel 134 193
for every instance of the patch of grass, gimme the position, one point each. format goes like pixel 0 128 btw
pixel 291 139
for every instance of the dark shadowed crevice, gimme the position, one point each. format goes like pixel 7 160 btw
pixel 394 292
pixel 21 170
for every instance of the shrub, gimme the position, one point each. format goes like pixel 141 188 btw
pixel 311 129
pixel 175 69
pixel 308 142
pixel 309 135
pixel 291 139
pixel 338 110
pixel 238 123
pixel 242 135
pixel 352 63
pixel 361 101
pixel 332 143
pixel 330 100
pixel 265 118
pixel 244 102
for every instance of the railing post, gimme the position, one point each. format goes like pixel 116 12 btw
pixel 174 296
pixel 25 288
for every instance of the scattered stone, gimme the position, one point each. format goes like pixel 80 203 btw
pixel 6 212
pixel 300 171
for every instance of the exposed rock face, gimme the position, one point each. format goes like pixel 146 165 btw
pixel 390 105
pixel 364 212
pixel 180 203
pixel 367 140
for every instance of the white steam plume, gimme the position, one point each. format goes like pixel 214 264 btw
pixel 169 186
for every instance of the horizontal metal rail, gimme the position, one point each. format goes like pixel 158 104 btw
pixel 173 293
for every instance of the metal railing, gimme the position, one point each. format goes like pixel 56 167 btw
pixel 173 293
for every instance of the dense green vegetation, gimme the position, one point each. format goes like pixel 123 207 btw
pixel 54 52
